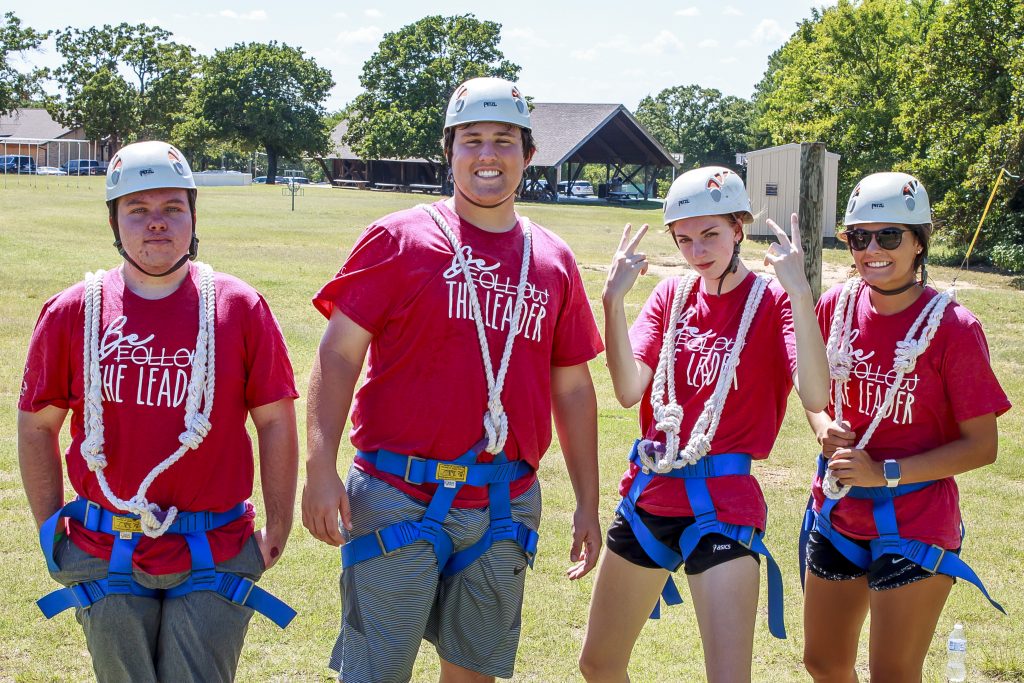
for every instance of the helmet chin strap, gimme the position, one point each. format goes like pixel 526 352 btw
pixel 897 290
pixel 731 268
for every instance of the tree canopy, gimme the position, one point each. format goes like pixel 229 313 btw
pixel 16 86
pixel 928 87
pixel 267 95
pixel 699 123
pixel 408 81
pixel 97 95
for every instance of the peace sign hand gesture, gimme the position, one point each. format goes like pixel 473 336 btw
pixel 787 258
pixel 627 265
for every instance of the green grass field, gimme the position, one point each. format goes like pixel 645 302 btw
pixel 52 230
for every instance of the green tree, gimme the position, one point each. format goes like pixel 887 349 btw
pixel 17 87
pixel 968 91
pixel 838 80
pixel 264 96
pixel 408 81
pixel 97 95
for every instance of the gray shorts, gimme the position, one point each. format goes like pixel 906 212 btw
pixel 390 604
pixel 197 637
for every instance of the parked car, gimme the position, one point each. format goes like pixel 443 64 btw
pixel 17 163
pixel 261 180
pixel 84 167
pixel 579 188
pixel 50 170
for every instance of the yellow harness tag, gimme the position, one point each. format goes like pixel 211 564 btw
pixel 449 472
pixel 126 524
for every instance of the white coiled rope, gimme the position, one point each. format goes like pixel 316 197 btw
pixel 495 419
pixel 200 393
pixel 840 355
pixel 669 415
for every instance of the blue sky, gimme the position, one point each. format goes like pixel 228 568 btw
pixel 570 51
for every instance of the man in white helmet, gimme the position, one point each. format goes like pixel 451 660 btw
pixel 478 329
pixel 160 362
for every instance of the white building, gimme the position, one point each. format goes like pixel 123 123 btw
pixel 773 182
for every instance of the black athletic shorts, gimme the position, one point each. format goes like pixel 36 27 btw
pixel 885 573
pixel 711 550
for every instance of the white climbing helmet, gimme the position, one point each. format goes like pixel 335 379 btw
pixel 147 166
pixel 707 191
pixel 487 99
pixel 888 198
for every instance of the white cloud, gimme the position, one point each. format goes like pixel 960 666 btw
pixel 373 13
pixel 769 31
pixel 709 42
pixel 688 12
pixel 731 11
pixel 254 15
pixel 663 43
pixel 367 35
pixel 523 36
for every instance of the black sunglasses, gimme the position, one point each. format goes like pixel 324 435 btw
pixel 887 238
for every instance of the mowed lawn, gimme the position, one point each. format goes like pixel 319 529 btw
pixel 52 230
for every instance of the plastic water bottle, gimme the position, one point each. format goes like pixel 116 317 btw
pixel 956 670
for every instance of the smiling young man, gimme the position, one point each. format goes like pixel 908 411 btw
pixel 478 329
pixel 158 552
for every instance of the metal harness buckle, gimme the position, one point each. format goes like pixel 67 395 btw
pixel 384 552
pixel 408 468
pixel 935 567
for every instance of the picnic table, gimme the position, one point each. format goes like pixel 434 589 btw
pixel 426 189
pixel 620 197
pixel 345 183
pixel 388 186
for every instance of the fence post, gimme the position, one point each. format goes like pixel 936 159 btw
pixel 812 190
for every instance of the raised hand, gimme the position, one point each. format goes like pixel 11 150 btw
pixel 787 258
pixel 627 264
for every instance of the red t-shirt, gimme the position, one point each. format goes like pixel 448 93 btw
pixel 146 351
pixel 952 382
pixel 756 403
pixel 425 392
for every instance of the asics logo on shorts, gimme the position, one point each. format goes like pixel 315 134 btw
pixel 716 547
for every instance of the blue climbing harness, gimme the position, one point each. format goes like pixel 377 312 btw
pixel 450 476
pixel 932 558
pixel 695 479
pixel 126 532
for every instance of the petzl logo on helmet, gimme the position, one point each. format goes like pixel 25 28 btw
pixel 176 162
pixel 715 184
pixel 490 104
pixel 146 171
pixel 877 205
pixel 683 201
pixel 909 194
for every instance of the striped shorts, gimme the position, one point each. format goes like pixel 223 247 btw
pixel 390 604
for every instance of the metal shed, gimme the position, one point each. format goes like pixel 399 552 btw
pixel 773 182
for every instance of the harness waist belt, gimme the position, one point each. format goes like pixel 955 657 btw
pixel 932 558
pixel 695 479
pixel 126 532
pixel 451 476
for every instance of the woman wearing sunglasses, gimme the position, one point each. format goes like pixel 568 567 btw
pixel 914 402
pixel 711 359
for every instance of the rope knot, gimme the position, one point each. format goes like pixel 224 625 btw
pixel 907 353
pixel 697 448
pixel 669 417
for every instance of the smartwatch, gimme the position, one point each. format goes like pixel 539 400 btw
pixel 892 473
